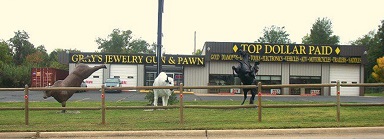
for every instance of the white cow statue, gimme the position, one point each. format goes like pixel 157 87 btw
pixel 162 80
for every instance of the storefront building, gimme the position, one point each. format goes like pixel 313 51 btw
pixel 134 69
pixel 290 64
pixel 279 64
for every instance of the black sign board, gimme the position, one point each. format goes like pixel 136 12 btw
pixel 101 58
pixel 288 53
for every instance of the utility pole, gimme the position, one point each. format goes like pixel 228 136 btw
pixel 194 43
pixel 159 35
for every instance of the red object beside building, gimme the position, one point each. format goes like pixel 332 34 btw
pixel 42 77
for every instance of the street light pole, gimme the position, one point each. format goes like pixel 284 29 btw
pixel 159 35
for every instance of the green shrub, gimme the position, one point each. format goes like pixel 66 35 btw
pixel 15 76
pixel 172 98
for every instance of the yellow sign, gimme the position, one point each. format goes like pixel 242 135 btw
pixel 286 49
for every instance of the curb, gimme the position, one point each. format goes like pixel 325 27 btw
pixel 18 134
pixel 298 131
pixel 199 133
pixel 151 133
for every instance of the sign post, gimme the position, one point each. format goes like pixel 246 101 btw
pixel 259 101
pixel 159 35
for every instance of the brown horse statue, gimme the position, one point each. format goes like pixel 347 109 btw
pixel 74 79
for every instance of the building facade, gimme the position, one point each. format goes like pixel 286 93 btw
pixel 279 64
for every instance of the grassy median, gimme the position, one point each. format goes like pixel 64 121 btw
pixel 139 119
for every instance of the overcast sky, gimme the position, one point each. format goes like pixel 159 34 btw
pixel 76 24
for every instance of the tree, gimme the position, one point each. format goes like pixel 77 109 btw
pixel 321 33
pixel 380 35
pixel 15 75
pixel 378 70
pixel 121 42
pixel 39 58
pixel 374 41
pixel 274 34
pixel 198 52
pixel 41 48
pixel 371 41
pixel 152 48
pixel 54 58
pixel 116 42
pixel 140 46
pixel 5 59
pixel 5 53
pixel 21 46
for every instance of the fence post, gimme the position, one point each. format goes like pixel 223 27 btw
pixel 259 101
pixel 181 104
pixel 102 105
pixel 338 101
pixel 26 104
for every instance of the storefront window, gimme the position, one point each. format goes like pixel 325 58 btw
pixel 176 72
pixel 305 80
pixel 269 80
pixel 178 78
pixel 150 78
pixel 228 79
pixel 221 79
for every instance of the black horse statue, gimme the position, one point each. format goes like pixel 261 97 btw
pixel 247 74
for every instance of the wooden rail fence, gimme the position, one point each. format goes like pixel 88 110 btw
pixel 181 107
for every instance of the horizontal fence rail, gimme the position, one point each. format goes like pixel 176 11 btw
pixel 140 107
pixel 297 105
pixel 362 85
pixel 181 107
pixel 361 104
pixel 193 87
pixel 220 107
pixel 12 89
pixel 65 108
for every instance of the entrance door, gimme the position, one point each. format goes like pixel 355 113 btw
pixel 126 73
pixel 345 74
pixel 96 78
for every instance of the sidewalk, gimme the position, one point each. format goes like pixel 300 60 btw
pixel 352 132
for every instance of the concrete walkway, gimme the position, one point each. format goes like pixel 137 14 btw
pixel 314 133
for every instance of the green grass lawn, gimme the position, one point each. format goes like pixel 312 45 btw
pixel 138 119
pixel 377 94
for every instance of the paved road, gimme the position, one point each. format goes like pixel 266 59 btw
pixel 18 96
